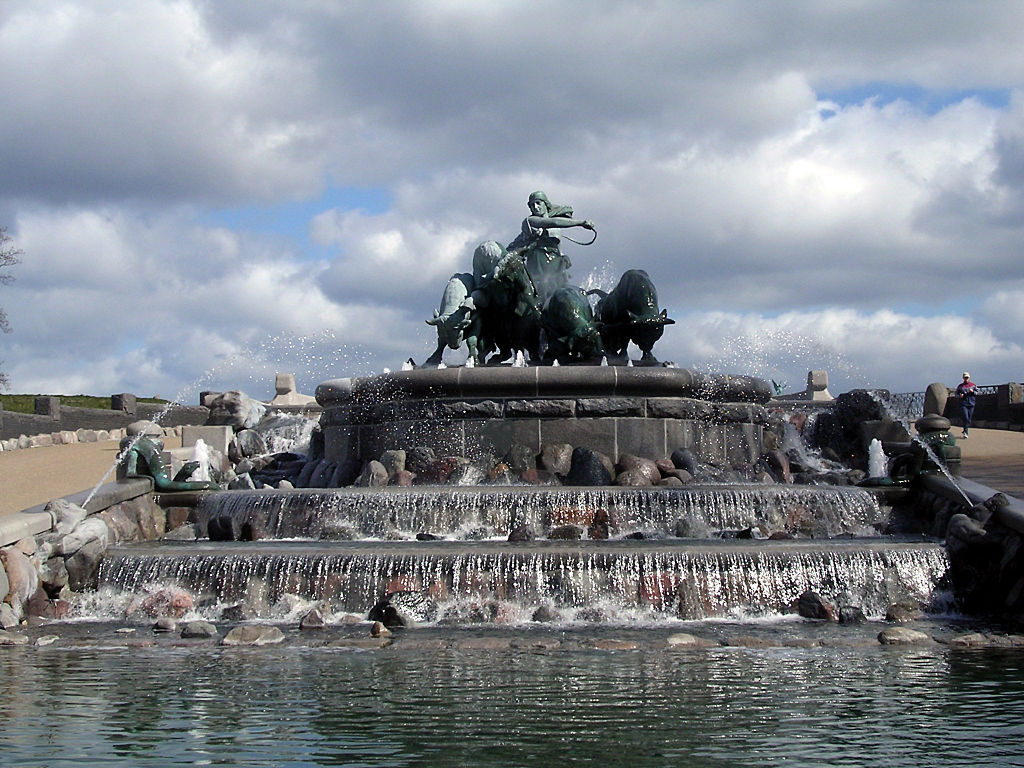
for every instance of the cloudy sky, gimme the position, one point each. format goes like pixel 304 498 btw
pixel 209 192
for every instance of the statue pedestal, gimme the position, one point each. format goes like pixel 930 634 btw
pixel 475 412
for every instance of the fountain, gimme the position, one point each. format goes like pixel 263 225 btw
pixel 485 490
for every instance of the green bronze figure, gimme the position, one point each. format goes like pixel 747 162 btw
pixel 143 457
pixel 540 249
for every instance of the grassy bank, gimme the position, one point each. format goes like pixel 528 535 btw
pixel 27 403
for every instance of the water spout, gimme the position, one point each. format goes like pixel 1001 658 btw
pixel 876 459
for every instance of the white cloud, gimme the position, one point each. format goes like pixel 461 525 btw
pixel 784 231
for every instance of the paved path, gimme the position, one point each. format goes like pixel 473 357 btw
pixel 995 458
pixel 35 475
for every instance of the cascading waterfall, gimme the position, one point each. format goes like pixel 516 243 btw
pixel 402 513
pixel 655 579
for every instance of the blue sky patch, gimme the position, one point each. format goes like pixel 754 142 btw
pixel 928 101
pixel 293 217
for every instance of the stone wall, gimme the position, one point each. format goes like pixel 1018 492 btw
pixel 51 417
pixel 55 549
pixel 984 532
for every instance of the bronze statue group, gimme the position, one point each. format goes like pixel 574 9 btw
pixel 518 303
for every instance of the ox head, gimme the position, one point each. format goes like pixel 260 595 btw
pixel 451 327
pixel 645 331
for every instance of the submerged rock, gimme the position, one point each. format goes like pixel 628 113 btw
pixel 312 620
pixel 851 614
pixel 811 605
pixel 545 615
pixel 192 629
pixel 903 611
pixel 253 634
pixel 684 640
pixel 404 609
pixel 903 636
pixel 566 533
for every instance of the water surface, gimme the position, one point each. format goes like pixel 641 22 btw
pixel 306 706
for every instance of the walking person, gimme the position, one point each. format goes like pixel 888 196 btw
pixel 967 392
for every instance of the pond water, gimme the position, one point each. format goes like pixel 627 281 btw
pixel 853 705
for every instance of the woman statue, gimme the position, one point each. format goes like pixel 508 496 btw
pixel 539 248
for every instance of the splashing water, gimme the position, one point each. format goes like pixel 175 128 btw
pixel 201 455
pixel 876 459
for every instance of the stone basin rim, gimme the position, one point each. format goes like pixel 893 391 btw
pixel 541 381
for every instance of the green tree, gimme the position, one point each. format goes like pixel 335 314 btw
pixel 8 258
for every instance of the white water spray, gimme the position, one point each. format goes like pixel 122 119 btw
pixel 876 459
pixel 201 454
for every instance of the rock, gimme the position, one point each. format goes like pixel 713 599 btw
pixel 777 464
pixel 664 466
pixel 243 482
pixel 393 461
pixel 522 533
pixel 851 614
pixel 312 620
pixel 165 624
pixel 811 605
pixel 12 638
pixel 691 528
pixel 246 444
pixel 500 474
pixel 186 532
pixel 223 527
pixel 66 514
pixel 684 640
pixel 600 527
pixel 903 611
pixel 633 478
pixel 53 575
pixel 682 458
pixel 424 536
pixel 438 472
pixel 556 458
pixel 587 469
pixel 8 618
pixel 635 464
pixel 519 458
pixel 22 577
pixel 682 475
pixel 670 482
pixel 419 458
pixel 173 602
pixel 467 475
pixel 403 478
pixel 234 612
pixel 374 475
pixel 89 530
pixel 198 629
pixel 253 634
pixel 981 640
pixel 404 609
pixel 545 615
pixel 565 533
pixel 902 636
pixel 235 409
